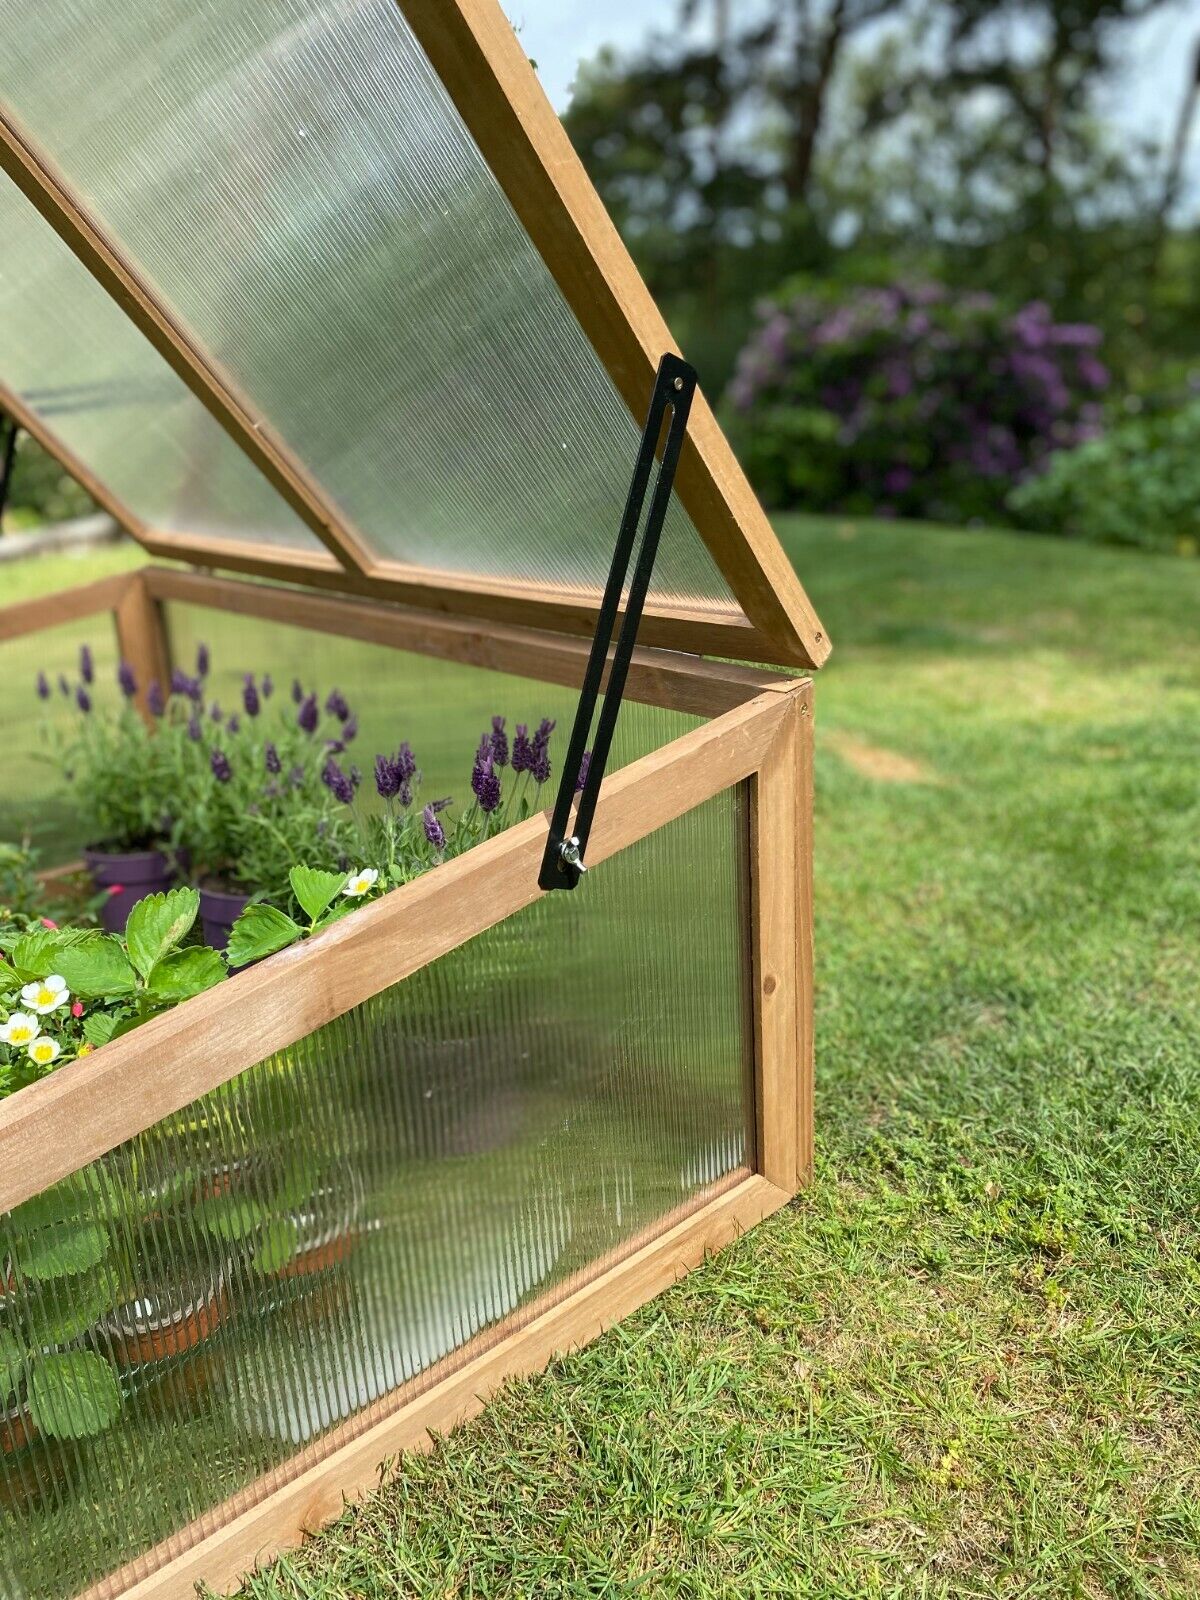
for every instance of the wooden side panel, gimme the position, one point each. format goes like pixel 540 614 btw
pixel 67 605
pixel 489 77
pixel 249 1534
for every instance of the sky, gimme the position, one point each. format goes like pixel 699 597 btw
pixel 558 34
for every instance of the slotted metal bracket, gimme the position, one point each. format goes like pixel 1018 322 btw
pixel 563 863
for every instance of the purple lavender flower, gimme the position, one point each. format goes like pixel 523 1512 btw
pixel 202 661
pixel 188 687
pixel 43 686
pixel 87 667
pixel 126 680
pixel 387 777
pixel 335 746
pixel 522 750
pixel 355 775
pixel 337 782
pixel 585 766
pixel 83 699
pixel 440 805
pixel 406 794
pixel 350 729
pixel 483 764
pixel 336 705
pixel 221 770
pixel 308 715
pixel 250 699
pixel 194 731
pixel 214 712
pixel 499 742
pixel 271 758
pixel 541 766
pixel 488 792
pixel 297 691
pixel 268 686
pixel 406 762
pixel 233 725
pixel 154 698
pixel 541 738
pixel 433 829
pixel 64 688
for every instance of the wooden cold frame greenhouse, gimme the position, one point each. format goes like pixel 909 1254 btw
pixel 315 299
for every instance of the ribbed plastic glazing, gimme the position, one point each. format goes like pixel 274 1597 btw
pixel 76 360
pixel 440 707
pixel 35 798
pixel 223 1291
pixel 295 181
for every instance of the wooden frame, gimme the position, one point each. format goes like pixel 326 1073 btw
pixel 760 736
pixel 484 69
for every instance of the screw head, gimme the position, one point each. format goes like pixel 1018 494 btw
pixel 679 385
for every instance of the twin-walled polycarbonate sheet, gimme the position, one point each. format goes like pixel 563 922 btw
pixel 263 1266
pixel 292 177
pixel 70 353
pixel 440 707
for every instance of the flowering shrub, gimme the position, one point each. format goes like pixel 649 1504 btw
pixel 910 400
pixel 1138 485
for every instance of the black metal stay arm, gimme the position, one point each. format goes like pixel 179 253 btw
pixel 563 861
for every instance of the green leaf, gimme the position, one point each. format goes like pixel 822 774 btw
pixel 157 924
pixel 97 968
pixel 185 973
pixel 12 1362
pixel 61 1250
pixel 98 1027
pixel 72 1395
pixel 36 954
pixel 230 1216
pixel 259 932
pixel 8 978
pixel 276 1245
pixel 80 1305
pixel 75 1197
pixel 315 889
pixel 297 1180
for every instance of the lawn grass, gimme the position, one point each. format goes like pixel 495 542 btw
pixel 966 1362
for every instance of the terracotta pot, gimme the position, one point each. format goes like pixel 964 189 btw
pixel 166 1321
pixel 129 876
pixel 327 1227
pixel 219 910
pixel 16 1429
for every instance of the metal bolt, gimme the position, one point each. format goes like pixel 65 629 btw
pixel 679 385
pixel 569 851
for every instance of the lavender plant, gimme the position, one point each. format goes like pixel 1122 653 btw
pixel 113 763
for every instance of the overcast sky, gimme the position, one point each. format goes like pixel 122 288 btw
pixel 558 34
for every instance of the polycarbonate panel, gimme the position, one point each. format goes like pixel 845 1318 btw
pixel 77 361
pixel 294 180
pixel 440 707
pixel 262 1267
pixel 35 799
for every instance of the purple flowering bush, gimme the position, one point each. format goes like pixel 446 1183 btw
pixel 910 400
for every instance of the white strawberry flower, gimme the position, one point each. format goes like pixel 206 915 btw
pixel 46 995
pixel 20 1029
pixel 45 1051
pixel 361 882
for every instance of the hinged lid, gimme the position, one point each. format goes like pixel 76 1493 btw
pixel 353 235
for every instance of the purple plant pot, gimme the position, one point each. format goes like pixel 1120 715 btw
pixel 219 910
pixel 129 877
